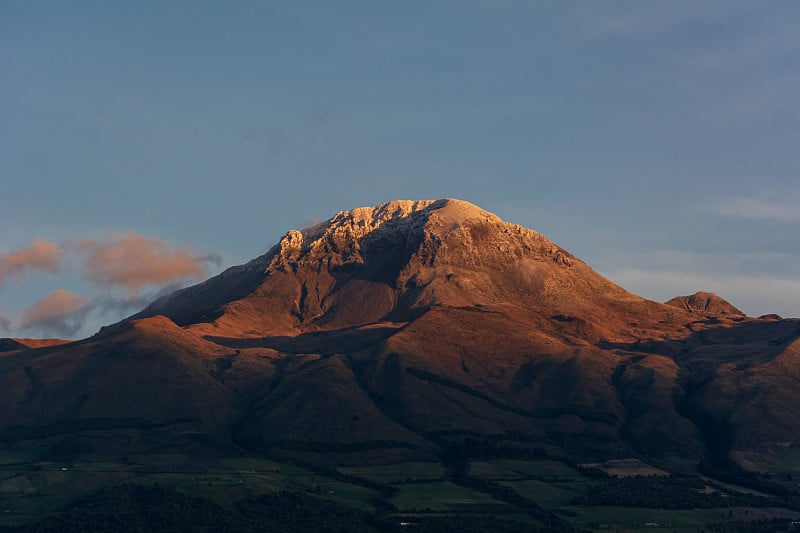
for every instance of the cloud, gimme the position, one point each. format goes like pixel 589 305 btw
pixel 320 116
pixel 131 270
pixel 212 257
pixel 273 139
pixel 751 48
pixel 39 256
pixel 757 209
pixel 645 19
pixel 134 261
pixel 120 306
pixel 64 313
pixel 61 313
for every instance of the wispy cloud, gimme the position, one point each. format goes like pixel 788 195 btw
pixel 113 305
pixel 641 19
pixel 754 208
pixel 130 270
pixel 753 47
pixel 61 313
pixel 320 115
pixel 64 314
pixel 133 261
pixel 766 100
pixel 274 140
pixel 39 255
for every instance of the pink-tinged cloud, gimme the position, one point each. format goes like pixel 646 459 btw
pixel 39 256
pixel 62 313
pixel 5 324
pixel 134 261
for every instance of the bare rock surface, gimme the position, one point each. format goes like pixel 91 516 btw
pixel 706 303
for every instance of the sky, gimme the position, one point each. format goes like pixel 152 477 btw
pixel 147 145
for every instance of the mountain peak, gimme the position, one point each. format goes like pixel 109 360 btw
pixel 396 224
pixel 706 303
pixel 438 232
pixel 367 219
pixel 452 209
pixel 392 262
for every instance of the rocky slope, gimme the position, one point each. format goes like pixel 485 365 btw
pixel 705 303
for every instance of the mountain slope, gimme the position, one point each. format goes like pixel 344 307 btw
pixel 8 344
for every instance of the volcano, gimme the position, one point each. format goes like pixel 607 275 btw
pixel 391 333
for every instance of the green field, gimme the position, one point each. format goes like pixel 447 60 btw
pixel 628 467
pixel 512 491
pixel 35 490
pixel 549 494
pixel 445 496
pixel 538 469
pixel 634 519
pixel 493 471
pixel 398 473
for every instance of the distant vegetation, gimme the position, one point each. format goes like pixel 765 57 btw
pixel 135 508
pixel 65 427
pixel 673 492
pixel 151 492
pixel 156 508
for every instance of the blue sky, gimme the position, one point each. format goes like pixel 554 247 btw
pixel 655 140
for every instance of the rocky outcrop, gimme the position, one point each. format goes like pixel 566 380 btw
pixel 706 303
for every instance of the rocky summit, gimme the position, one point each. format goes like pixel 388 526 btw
pixel 394 332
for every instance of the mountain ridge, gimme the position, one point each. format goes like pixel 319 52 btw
pixel 441 245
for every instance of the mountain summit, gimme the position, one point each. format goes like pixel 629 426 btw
pixel 705 302
pixel 393 262
pixel 398 331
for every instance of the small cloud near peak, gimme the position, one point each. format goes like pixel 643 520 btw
pixel 133 261
pixel 757 209
pixel 39 255
pixel 61 313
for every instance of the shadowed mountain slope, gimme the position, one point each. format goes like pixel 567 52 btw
pixel 8 345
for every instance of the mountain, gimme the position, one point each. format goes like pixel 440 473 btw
pixel 7 344
pixel 396 332
pixel 705 303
